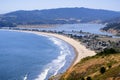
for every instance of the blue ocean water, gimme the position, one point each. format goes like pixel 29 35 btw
pixel 27 56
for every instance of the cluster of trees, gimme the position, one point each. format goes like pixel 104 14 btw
pixel 107 51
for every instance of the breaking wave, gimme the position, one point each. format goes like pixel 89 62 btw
pixel 55 65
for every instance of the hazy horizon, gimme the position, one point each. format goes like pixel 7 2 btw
pixel 9 6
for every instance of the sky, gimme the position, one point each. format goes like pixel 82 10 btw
pixel 13 5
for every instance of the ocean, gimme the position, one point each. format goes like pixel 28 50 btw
pixel 27 56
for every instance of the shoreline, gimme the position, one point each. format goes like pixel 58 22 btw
pixel 80 50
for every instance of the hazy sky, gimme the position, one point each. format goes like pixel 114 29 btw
pixel 13 5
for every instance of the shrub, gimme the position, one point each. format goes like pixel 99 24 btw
pixel 102 70
pixel 82 78
pixel 88 78
pixel 107 51
pixel 109 65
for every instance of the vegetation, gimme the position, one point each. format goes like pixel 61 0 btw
pixel 102 70
pixel 107 51
pixel 105 66
pixel 115 26
pixel 88 78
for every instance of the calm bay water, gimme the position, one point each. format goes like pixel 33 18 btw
pixel 91 28
pixel 26 56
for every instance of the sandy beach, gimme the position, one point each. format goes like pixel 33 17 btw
pixel 80 50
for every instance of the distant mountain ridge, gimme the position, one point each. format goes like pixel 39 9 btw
pixel 59 16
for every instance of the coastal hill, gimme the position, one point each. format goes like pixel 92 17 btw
pixel 103 66
pixel 58 16
pixel 112 28
pixel 91 69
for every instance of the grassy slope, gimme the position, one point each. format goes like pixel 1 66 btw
pixel 90 66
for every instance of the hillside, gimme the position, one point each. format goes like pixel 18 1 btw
pixel 113 20
pixel 112 28
pixel 59 16
pixel 99 67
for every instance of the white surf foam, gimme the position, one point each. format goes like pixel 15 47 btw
pixel 43 75
pixel 53 67
pixel 25 78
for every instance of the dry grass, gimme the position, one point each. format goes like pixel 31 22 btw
pixel 91 67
